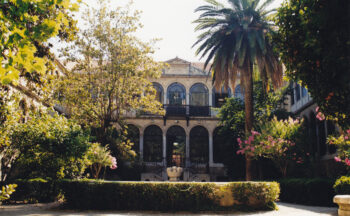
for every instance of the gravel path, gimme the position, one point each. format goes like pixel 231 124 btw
pixel 51 209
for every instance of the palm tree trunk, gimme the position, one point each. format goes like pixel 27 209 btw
pixel 249 114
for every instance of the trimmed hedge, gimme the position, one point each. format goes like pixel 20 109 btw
pixel 89 194
pixel 35 190
pixel 315 191
pixel 342 185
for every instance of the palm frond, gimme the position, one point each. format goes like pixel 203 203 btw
pixel 264 5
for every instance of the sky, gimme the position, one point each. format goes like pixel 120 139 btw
pixel 170 21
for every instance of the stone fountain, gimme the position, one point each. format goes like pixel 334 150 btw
pixel 174 173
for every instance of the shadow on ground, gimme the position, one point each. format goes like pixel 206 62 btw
pixel 52 209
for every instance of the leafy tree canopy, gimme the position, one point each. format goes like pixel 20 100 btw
pixel 314 42
pixel 25 28
pixel 49 146
pixel 110 73
pixel 232 113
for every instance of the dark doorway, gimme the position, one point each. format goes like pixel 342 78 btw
pixel 176 145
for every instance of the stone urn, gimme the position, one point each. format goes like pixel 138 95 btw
pixel 343 202
pixel 174 173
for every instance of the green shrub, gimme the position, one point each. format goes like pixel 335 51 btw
pixel 315 191
pixel 262 194
pixel 88 194
pixel 49 146
pixel 342 185
pixel 35 190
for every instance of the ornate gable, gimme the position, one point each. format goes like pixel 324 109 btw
pixel 177 60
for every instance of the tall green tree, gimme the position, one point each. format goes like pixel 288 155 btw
pixel 25 28
pixel 111 73
pixel 314 42
pixel 235 41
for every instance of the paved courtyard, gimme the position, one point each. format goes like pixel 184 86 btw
pixel 51 209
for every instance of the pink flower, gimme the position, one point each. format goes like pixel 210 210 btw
pixel 255 133
pixel 346 137
pixel 114 163
pixel 252 149
pixel 347 161
pixel 337 159
pixel 240 152
pixel 307 153
pixel 319 115
pixel 239 140
pixel 348 131
pixel 250 139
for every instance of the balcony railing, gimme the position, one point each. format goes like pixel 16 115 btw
pixel 186 110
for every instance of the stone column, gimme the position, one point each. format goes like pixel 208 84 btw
pixel 164 150
pixel 187 151
pixel 141 147
pixel 187 98
pixel 210 98
pixel 211 161
pixel 164 98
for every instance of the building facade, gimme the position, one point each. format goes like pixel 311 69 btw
pixel 302 105
pixel 187 135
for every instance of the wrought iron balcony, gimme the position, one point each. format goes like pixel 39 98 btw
pixel 186 110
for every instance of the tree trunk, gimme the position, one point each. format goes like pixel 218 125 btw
pixel 249 113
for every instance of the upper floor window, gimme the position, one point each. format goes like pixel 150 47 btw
pixel 199 95
pixel 176 94
pixel 219 97
pixel 303 92
pixel 159 91
pixel 297 92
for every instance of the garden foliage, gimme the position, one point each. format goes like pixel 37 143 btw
pixel 89 194
pixel 342 142
pixel 109 77
pixel 35 190
pixel 276 141
pixel 342 185
pixel 49 146
pixel 314 191
pixel 25 28
pixel 99 157
pixel 313 38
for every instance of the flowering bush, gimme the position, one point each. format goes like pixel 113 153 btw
pixel 99 157
pixel 276 142
pixel 343 144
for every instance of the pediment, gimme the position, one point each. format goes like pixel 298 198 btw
pixel 177 60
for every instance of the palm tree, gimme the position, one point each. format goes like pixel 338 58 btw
pixel 235 41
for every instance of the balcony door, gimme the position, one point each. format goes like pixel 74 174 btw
pixel 176 94
pixel 199 95
pixel 176 145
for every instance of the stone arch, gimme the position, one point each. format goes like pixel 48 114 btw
pixel 176 94
pixel 199 95
pixel 134 136
pixel 176 146
pixel 199 144
pixel 153 144
pixel 159 91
